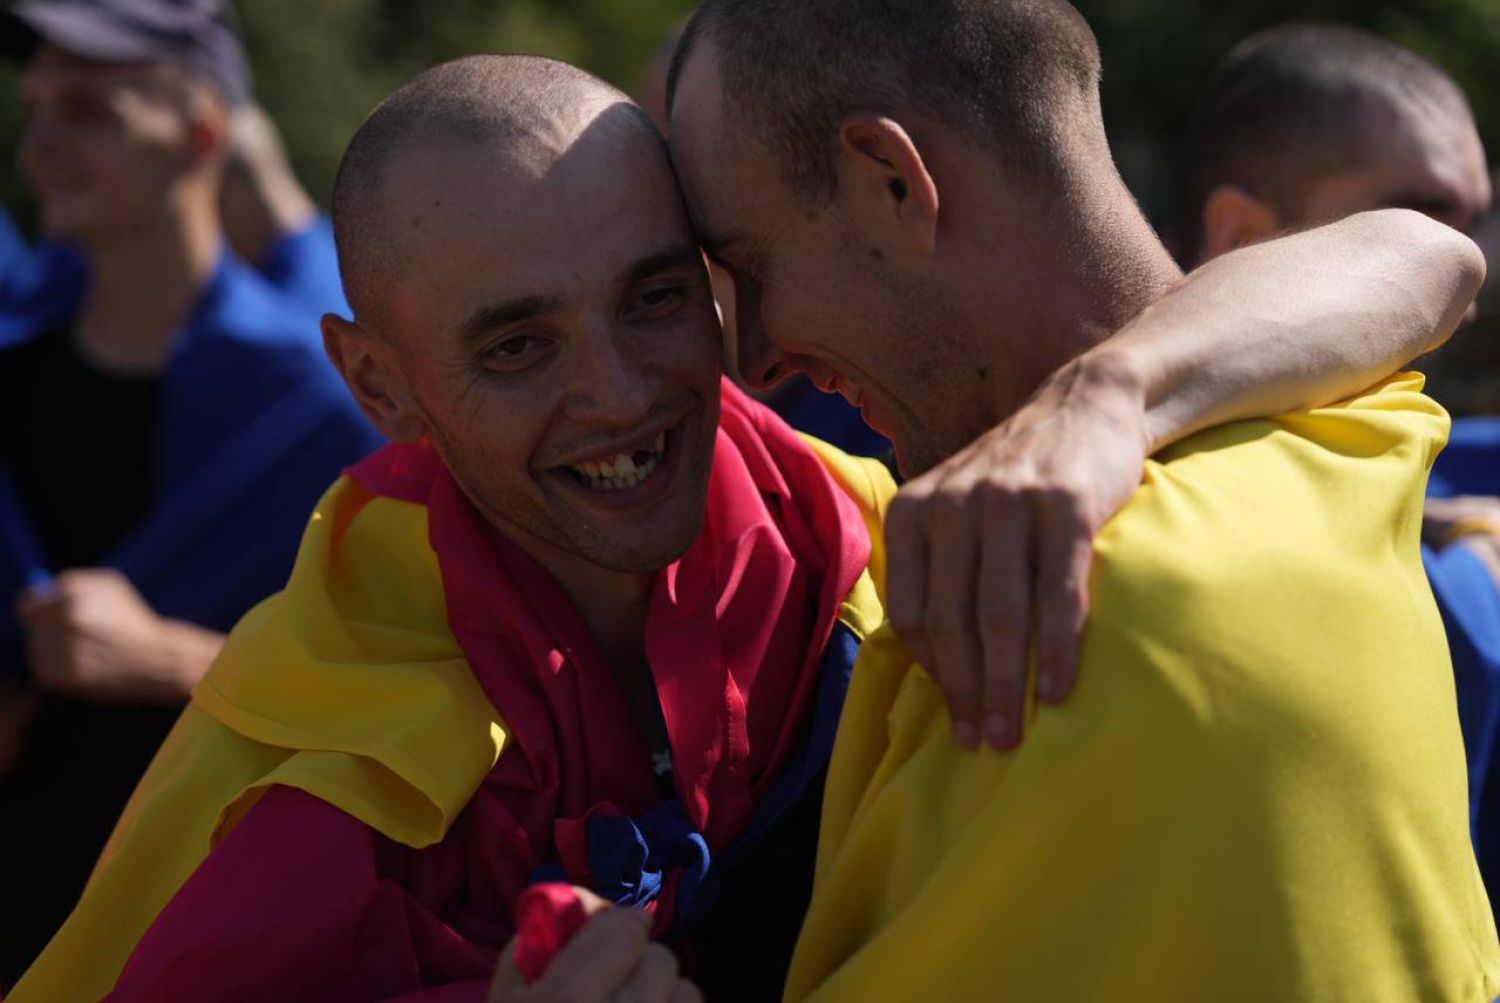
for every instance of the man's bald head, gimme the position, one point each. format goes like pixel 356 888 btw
pixel 523 112
pixel 1017 78
pixel 1297 104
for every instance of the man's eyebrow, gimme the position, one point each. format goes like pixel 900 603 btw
pixel 488 318
pixel 663 260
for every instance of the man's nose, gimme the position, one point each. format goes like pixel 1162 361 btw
pixel 758 359
pixel 614 382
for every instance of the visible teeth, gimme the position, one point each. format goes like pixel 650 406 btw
pixel 622 471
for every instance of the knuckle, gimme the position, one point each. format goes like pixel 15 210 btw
pixel 907 618
pixel 907 505
pixel 999 619
pixel 659 956
pixel 949 505
pixel 946 622
pixel 1002 686
pixel 997 495
pixel 961 690
pixel 1055 497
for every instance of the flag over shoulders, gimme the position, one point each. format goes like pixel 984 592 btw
pixel 359 703
pixel 1255 792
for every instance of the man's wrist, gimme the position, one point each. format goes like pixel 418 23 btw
pixel 1111 380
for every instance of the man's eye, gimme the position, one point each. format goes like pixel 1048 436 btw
pixel 513 347
pixel 658 302
pixel 516 352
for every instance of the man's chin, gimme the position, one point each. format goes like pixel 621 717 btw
pixel 644 556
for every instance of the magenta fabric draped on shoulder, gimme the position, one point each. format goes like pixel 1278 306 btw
pixel 301 901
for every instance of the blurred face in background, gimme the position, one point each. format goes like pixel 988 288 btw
pixel 106 146
pixel 1431 161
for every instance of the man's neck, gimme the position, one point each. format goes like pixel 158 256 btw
pixel 1114 267
pixel 142 288
pixel 613 606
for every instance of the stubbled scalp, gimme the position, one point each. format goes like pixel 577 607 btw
pixel 526 110
pixel 1298 102
pixel 1018 78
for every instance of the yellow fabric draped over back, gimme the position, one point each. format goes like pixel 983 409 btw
pixel 1256 792
pixel 349 685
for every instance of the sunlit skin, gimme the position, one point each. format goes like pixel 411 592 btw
pixel 882 295
pixel 560 319
pixel 103 143
pixel 815 291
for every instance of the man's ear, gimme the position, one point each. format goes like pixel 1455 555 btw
pixel 376 384
pixel 882 169
pixel 1232 217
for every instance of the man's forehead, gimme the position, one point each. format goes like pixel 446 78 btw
pixel 719 176
pixel 469 217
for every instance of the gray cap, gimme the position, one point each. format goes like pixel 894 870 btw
pixel 202 35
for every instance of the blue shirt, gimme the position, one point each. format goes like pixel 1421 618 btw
pixel 304 265
pixel 1469 602
pixel 254 424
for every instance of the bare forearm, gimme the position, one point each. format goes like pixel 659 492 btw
pixel 187 651
pixel 1293 323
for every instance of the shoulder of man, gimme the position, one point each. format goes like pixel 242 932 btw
pixel 1268 574
pixel 1264 682
pixel 1324 494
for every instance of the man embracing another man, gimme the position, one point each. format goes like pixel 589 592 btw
pixel 591 617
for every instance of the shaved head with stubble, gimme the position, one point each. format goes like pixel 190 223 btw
pixel 528 296
pixel 916 199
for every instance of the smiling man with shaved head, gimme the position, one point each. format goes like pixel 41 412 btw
pixel 588 621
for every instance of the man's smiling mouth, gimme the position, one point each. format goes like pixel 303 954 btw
pixel 623 470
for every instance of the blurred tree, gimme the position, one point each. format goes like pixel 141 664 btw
pixel 323 64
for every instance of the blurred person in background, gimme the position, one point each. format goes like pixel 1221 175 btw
pixel 173 418
pixel 271 221
pixel 1306 123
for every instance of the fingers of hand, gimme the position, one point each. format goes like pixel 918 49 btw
pixel 599 959
pixel 1064 554
pixel 686 992
pixel 591 903
pixel 507 982
pixel 906 568
pixel 948 623
pixel 654 979
pixel 1003 612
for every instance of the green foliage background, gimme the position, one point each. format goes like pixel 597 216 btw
pixel 322 64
